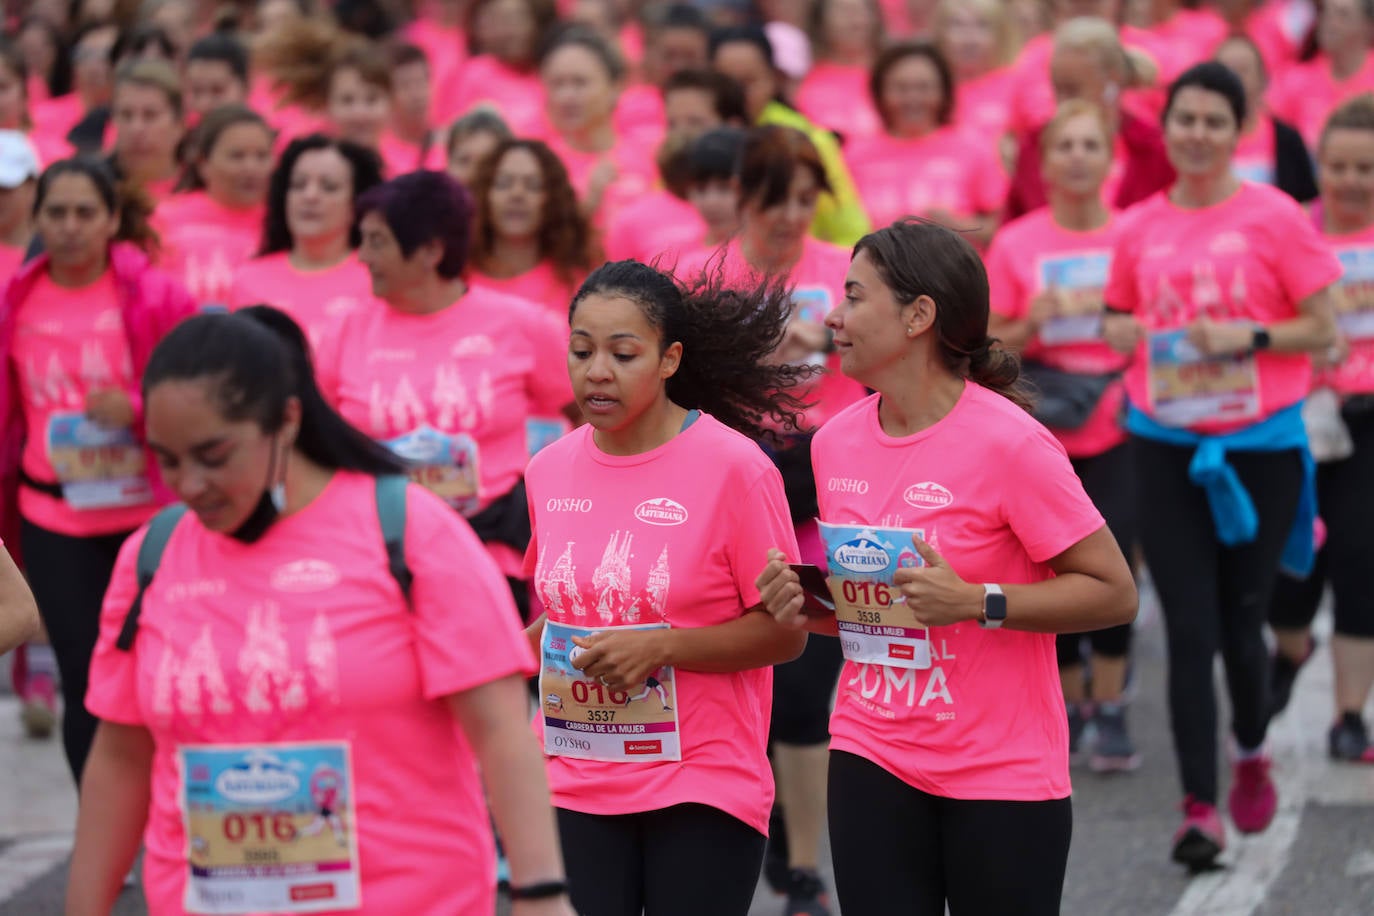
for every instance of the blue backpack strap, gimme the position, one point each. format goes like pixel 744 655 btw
pixel 391 512
pixel 149 558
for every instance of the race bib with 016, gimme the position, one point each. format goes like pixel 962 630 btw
pixel 584 718
pixel 269 828
pixel 98 468
pixel 1187 387
pixel 875 627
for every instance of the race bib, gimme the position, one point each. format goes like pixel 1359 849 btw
pixel 445 465
pixel 875 627
pixel 1079 278
pixel 1353 297
pixel 269 828
pixel 1187 387
pixel 585 719
pixel 98 468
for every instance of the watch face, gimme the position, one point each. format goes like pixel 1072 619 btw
pixel 995 607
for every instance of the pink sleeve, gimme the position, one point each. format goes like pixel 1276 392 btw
pixel 112 691
pixel 761 522
pixel 1004 286
pixel 326 360
pixel 467 630
pixel 550 388
pixel 1120 292
pixel 990 182
pixel 1305 262
pixel 1056 513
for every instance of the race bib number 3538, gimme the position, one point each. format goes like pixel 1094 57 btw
pixel 875 628
pixel 269 828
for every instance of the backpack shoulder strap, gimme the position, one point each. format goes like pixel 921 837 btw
pixel 149 558
pixel 391 512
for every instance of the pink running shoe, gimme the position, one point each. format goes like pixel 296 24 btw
pixel 40 706
pixel 1253 799
pixel 1201 838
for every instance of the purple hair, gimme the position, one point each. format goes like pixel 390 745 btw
pixel 422 207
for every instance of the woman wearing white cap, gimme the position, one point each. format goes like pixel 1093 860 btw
pixel 18 181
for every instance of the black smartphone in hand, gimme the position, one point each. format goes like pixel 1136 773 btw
pixel 817 601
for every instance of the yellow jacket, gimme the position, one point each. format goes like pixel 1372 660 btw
pixel 840 217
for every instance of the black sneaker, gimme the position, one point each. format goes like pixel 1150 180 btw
pixel 776 870
pixel 1349 740
pixel 1283 673
pixel 806 894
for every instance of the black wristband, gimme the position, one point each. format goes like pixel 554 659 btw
pixel 541 891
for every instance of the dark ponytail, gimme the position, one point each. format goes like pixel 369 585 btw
pixel 727 336
pixel 917 257
pixel 257 359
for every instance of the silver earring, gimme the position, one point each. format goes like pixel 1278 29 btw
pixel 910 331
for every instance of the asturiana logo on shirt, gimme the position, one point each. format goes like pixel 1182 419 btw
pixel 305 576
pixel 862 555
pixel 262 779
pixel 927 495
pixel 661 511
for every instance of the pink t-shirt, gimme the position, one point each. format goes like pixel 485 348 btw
pixel 1354 301
pixel 1255 159
pixel 657 225
pixel 10 259
pixel 986 720
pixel 55 118
pixel 817 280
pixel 451 390
pixel 943 170
pixel 400 157
pixel 540 285
pixel 1025 257
pixel 445 47
pixel 983 106
pixel 1307 93
pixel 1252 257
pixel 598 560
pixel 519 96
pixel 639 115
pixel 305 637
pixel 204 243
pixel 836 96
pixel 316 299
pixel 68 343
pixel 636 175
pixel 1280 27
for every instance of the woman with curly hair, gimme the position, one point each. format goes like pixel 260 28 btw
pixel 675 785
pixel 530 238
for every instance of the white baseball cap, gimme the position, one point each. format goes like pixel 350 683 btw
pixel 18 161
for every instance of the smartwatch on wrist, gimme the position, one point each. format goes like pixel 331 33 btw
pixel 540 891
pixel 1261 339
pixel 994 607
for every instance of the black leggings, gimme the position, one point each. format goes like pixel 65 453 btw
pixel 802 689
pixel 1345 496
pixel 1107 481
pixel 69 576
pixel 687 860
pixel 899 851
pixel 1214 598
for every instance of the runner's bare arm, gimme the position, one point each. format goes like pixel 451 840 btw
pixel 780 594
pixel 494 716
pixel 535 634
pixel 18 612
pixel 1312 330
pixel 109 825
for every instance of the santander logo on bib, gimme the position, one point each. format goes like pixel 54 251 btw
pixel 661 511
pixel 305 576
pixel 927 495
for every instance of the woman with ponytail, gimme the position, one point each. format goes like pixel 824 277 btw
pixel 656 655
pixel 300 627
pixel 77 326
pixel 954 741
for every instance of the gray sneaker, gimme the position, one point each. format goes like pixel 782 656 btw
pixel 1113 751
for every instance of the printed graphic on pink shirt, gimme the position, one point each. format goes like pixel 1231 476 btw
pixel 204 243
pixel 949 729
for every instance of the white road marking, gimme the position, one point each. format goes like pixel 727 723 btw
pixel 28 858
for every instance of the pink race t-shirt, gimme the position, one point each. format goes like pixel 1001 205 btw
pixel 204 243
pixel 67 344
pixel 635 175
pixel 1252 257
pixel 1256 156
pixel 540 285
pixel 983 106
pixel 657 225
pixel 1353 298
pixel 10 259
pixel 317 299
pixel 1028 255
pixel 400 157
pixel 944 170
pixel 445 48
pixel 598 560
pixel 836 96
pixel 986 720
pixel 1193 34
pixel 639 115
pixel 302 637
pixel 451 390
pixel 517 95
pixel 817 281
pixel 1307 93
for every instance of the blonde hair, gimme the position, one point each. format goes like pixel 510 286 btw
pixel 1091 35
pixel 1066 112
pixel 998 12
pixel 152 74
